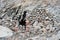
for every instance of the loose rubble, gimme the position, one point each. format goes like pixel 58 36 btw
pixel 31 19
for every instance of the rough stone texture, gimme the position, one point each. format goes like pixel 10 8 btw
pixel 43 17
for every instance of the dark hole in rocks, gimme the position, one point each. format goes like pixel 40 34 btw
pixel 55 28
pixel 42 31
pixel 51 31
pixel 47 19
pixel 23 20
pixel 41 26
pixel 48 29
pixel 0 17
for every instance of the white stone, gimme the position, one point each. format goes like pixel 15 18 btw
pixel 5 32
pixel 35 23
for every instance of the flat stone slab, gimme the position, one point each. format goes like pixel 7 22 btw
pixel 5 32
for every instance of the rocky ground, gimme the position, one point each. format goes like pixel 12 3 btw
pixel 31 19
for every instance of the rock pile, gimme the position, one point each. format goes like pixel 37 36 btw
pixel 42 19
